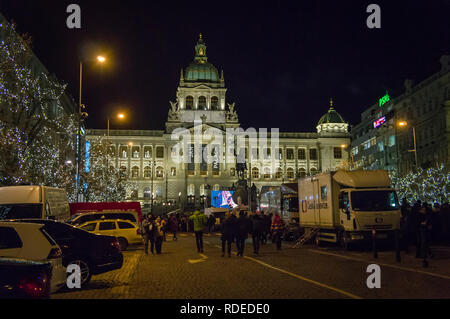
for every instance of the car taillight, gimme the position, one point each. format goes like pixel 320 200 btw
pixel 55 253
pixel 115 244
pixel 35 287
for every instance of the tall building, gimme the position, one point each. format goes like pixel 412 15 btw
pixel 395 131
pixel 150 160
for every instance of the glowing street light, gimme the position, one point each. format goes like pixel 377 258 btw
pixel 101 59
pixel 403 124
pixel 120 116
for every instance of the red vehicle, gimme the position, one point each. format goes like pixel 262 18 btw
pixel 125 207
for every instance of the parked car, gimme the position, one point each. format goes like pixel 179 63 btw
pixel 91 216
pixel 126 232
pixel 23 279
pixel 30 241
pixel 95 254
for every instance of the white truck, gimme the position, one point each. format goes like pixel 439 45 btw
pixel 36 202
pixel 347 206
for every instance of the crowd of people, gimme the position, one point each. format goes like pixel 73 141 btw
pixel 234 229
pixel 423 224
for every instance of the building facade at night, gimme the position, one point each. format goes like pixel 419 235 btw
pixel 147 156
pixel 379 142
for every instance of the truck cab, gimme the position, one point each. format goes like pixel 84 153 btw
pixel 362 211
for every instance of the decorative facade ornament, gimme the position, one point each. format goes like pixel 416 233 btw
pixel 174 113
pixel 231 113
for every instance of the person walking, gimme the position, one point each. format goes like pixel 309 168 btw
pixel 267 224
pixel 159 234
pixel 258 226
pixel 164 227
pixel 173 226
pixel 148 225
pixel 199 221
pixel 244 227
pixel 228 228
pixel 146 233
pixel 277 230
pixel 211 223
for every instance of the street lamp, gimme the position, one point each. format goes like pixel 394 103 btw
pixel 120 116
pixel 403 124
pixel 81 114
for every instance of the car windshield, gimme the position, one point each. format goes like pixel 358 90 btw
pixel 18 211
pixel 382 200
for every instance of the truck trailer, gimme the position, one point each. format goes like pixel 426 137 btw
pixel 348 206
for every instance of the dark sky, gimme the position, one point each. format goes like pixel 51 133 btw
pixel 282 60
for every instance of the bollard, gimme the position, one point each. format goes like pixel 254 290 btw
pixel 374 243
pixel 397 246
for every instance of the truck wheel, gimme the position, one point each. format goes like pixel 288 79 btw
pixel 342 240
pixel 317 241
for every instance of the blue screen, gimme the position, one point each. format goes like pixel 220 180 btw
pixel 222 199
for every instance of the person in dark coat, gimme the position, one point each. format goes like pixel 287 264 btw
pixel 211 222
pixel 173 226
pixel 229 230
pixel 149 227
pixel 267 224
pixel 244 227
pixel 258 225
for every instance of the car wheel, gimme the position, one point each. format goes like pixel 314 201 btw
pixel 85 270
pixel 123 243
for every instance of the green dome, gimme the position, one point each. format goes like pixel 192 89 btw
pixel 331 117
pixel 201 71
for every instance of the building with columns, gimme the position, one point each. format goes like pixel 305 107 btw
pixel 153 165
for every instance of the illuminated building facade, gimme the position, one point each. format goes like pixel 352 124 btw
pixel 148 159
pixel 378 142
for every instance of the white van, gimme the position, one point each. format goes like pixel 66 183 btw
pixel 18 202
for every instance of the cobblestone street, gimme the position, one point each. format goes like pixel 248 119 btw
pixel 308 272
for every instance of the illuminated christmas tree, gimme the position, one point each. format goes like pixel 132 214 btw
pixel 36 133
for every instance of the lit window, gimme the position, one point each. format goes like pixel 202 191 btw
pixel 337 152
pixel 301 154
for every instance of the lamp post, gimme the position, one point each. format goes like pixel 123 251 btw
pixel 81 114
pixel 120 116
pixel 402 124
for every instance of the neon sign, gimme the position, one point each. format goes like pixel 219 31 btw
pixel 379 122
pixel 384 100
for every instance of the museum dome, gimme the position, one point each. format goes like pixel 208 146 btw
pixel 200 70
pixel 332 121
pixel 332 116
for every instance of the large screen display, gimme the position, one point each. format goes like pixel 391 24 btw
pixel 222 199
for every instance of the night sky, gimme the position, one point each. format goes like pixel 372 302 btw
pixel 282 60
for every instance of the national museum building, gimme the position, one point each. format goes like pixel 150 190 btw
pixel 146 156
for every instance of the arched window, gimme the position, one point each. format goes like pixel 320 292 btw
pixel 191 190
pixel 135 172
pixel 147 172
pixel 279 173
pixel 159 172
pixel 313 171
pixel 301 172
pixel 214 103
pixel 202 103
pixel 255 172
pixel 189 102
pixel 266 172
pixel 290 173
pixel 202 190
pixel 147 193
pixel 123 171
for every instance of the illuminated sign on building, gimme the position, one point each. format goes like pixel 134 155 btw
pixel 384 100
pixel 379 122
pixel 87 157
